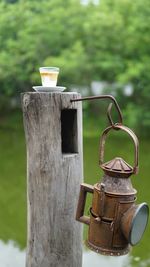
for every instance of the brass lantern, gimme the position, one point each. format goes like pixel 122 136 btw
pixel 116 222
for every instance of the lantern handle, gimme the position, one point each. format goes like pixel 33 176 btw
pixel 130 133
pixel 84 189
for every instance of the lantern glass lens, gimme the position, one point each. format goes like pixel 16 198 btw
pixel 139 223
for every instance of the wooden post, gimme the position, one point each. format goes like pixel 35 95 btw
pixel 53 130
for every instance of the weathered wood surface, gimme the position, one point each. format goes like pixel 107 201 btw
pixel 53 182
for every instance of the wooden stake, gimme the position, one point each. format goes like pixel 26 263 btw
pixel 53 130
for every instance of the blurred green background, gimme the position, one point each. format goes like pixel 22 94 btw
pixel 101 47
pixel 107 43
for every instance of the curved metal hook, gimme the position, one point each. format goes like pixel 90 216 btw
pixel 110 117
pixel 109 107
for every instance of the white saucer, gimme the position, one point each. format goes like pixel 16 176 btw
pixel 49 89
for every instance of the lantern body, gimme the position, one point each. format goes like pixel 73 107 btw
pixel 105 234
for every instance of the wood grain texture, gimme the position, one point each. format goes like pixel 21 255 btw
pixel 53 182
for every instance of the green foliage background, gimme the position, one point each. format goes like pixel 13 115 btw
pixel 106 42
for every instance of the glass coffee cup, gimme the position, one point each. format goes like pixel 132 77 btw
pixel 49 76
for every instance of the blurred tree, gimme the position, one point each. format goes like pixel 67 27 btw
pixel 108 41
pixel 11 1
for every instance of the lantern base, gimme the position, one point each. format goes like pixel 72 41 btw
pixel 108 252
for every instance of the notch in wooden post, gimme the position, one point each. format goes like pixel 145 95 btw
pixel 69 131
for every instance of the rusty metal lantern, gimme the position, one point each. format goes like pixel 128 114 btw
pixel 116 222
